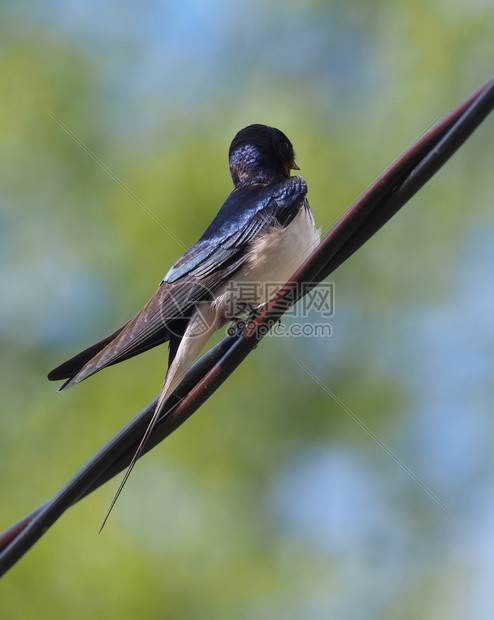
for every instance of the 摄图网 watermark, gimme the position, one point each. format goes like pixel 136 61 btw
pixel 318 303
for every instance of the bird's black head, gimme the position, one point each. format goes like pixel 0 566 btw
pixel 260 154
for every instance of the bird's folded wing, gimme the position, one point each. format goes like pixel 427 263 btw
pixel 246 212
pixel 220 252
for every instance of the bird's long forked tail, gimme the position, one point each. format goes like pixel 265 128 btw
pixel 152 423
pixel 203 323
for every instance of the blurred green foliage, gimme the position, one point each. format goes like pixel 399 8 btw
pixel 270 502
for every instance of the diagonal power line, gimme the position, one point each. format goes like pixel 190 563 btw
pixel 113 176
pixel 365 428
pixel 383 199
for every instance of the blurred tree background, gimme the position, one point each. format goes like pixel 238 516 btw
pixel 271 502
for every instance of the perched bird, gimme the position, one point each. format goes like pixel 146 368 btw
pixel 260 236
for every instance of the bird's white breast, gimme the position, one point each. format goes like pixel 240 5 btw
pixel 273 257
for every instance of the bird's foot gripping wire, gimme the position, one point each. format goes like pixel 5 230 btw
pixel 247 315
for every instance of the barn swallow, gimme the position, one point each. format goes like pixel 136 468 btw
pixel 263 232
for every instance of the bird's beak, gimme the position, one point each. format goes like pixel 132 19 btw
pixel 294 165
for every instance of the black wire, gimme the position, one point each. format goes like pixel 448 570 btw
pixel 383 199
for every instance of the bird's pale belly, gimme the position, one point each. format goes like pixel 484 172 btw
pixel 272 258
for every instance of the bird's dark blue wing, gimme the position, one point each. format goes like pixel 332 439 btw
pixel 246 212
pixel 218 254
